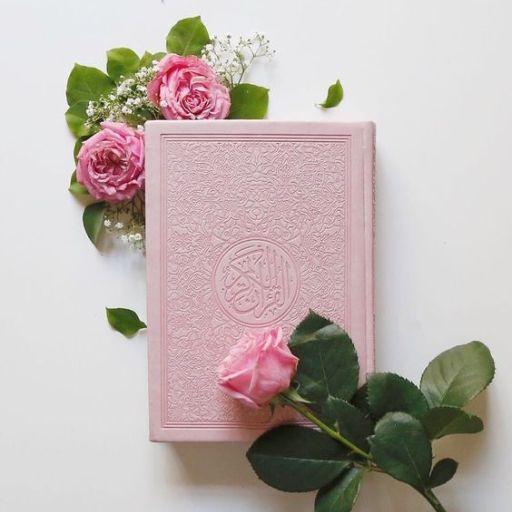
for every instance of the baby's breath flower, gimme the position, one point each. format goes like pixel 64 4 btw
pixel 128 103
pixel 107 223
pixel 119 225
pixel 231 57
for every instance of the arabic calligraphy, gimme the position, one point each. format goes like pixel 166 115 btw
pixel 256 282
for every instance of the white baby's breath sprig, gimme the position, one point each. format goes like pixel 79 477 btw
pixel 231 57
pixel 127 103
pixel 125 221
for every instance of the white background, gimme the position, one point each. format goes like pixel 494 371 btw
pixel 436 78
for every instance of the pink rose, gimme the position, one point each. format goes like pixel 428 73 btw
pixel 187 88
pixel 111 163
pixel 258 368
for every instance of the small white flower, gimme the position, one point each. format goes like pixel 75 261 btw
pixel 107 223
pixel 137 237
pixel 131 237
pixel 124 238
pixel 119 225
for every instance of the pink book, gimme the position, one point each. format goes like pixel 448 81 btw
pixel 249 224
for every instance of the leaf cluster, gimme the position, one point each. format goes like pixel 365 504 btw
pixel 387 425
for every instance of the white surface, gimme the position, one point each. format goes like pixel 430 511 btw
pixel 436 78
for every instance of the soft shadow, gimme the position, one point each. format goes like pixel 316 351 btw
pixel 466 449
pixel 224 465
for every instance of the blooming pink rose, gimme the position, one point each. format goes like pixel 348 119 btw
pixel 111 163
pixel 258 368
pixel 187 88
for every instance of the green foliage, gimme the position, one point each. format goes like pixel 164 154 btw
pixel 297 459
pixel 458 375
pixel 360 400
pixel 334 96
pixel 306 330
pixel 401 448
pixel 93 220
pixel 442 472
pixel 188 37
pixel 444 421
pixel 340 495
pixel 347 420
pixel 147 59
pixel 86 84
pixel 75 119
pixel 328 364
pixel 121 62
pixel 125 321
pixel 388 392
pixel 248 101
pixel 76 188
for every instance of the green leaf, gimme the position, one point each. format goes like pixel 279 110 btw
pixel 248 102
pixel 458 375
pixel 77 147
pixel 360 400
pixel 121 62
pixel 341 495
pixel 349 421
pixel 334 96
pixel 76 117
pixel 77 188
pixel 328 365
pixel 124 321
pixel 444 421
pixel 93 220
pixel 388 392
pixel 401 448
pixel 188 37
pixel 297 459
pixel 147 59
pixel 87 84
pixel 306 330
pixel 443 472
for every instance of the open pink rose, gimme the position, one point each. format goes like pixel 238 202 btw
pixel 258 368
pixel 187 88
pixel 111 163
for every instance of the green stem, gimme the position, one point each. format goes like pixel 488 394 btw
pixel 308 413
pixel 432 499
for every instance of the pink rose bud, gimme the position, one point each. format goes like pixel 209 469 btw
pixel 187 88
pixel 111 163
pixel 258 368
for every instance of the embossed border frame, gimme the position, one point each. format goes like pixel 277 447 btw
pixel 362 215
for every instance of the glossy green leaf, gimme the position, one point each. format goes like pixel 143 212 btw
pixel 121 62
pixel 93 220
pixel 328 364
pixel 308 327
pixel 248 101
pixel 86 84
pixel 443 472
pixel 297 459
pixel 401 448
pixel 334 96
pixel 76 117
pixel 360 399
pixel 147 59
pixel 340 495
pixel 388 392
pixel 349 421
pixel 77 188
pixel 444 421
pixel 188 37
pixel 458 375
pixel 125 321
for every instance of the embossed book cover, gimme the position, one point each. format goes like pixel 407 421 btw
pixel 249 224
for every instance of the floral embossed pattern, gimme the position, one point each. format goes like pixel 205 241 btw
pixel 266 216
